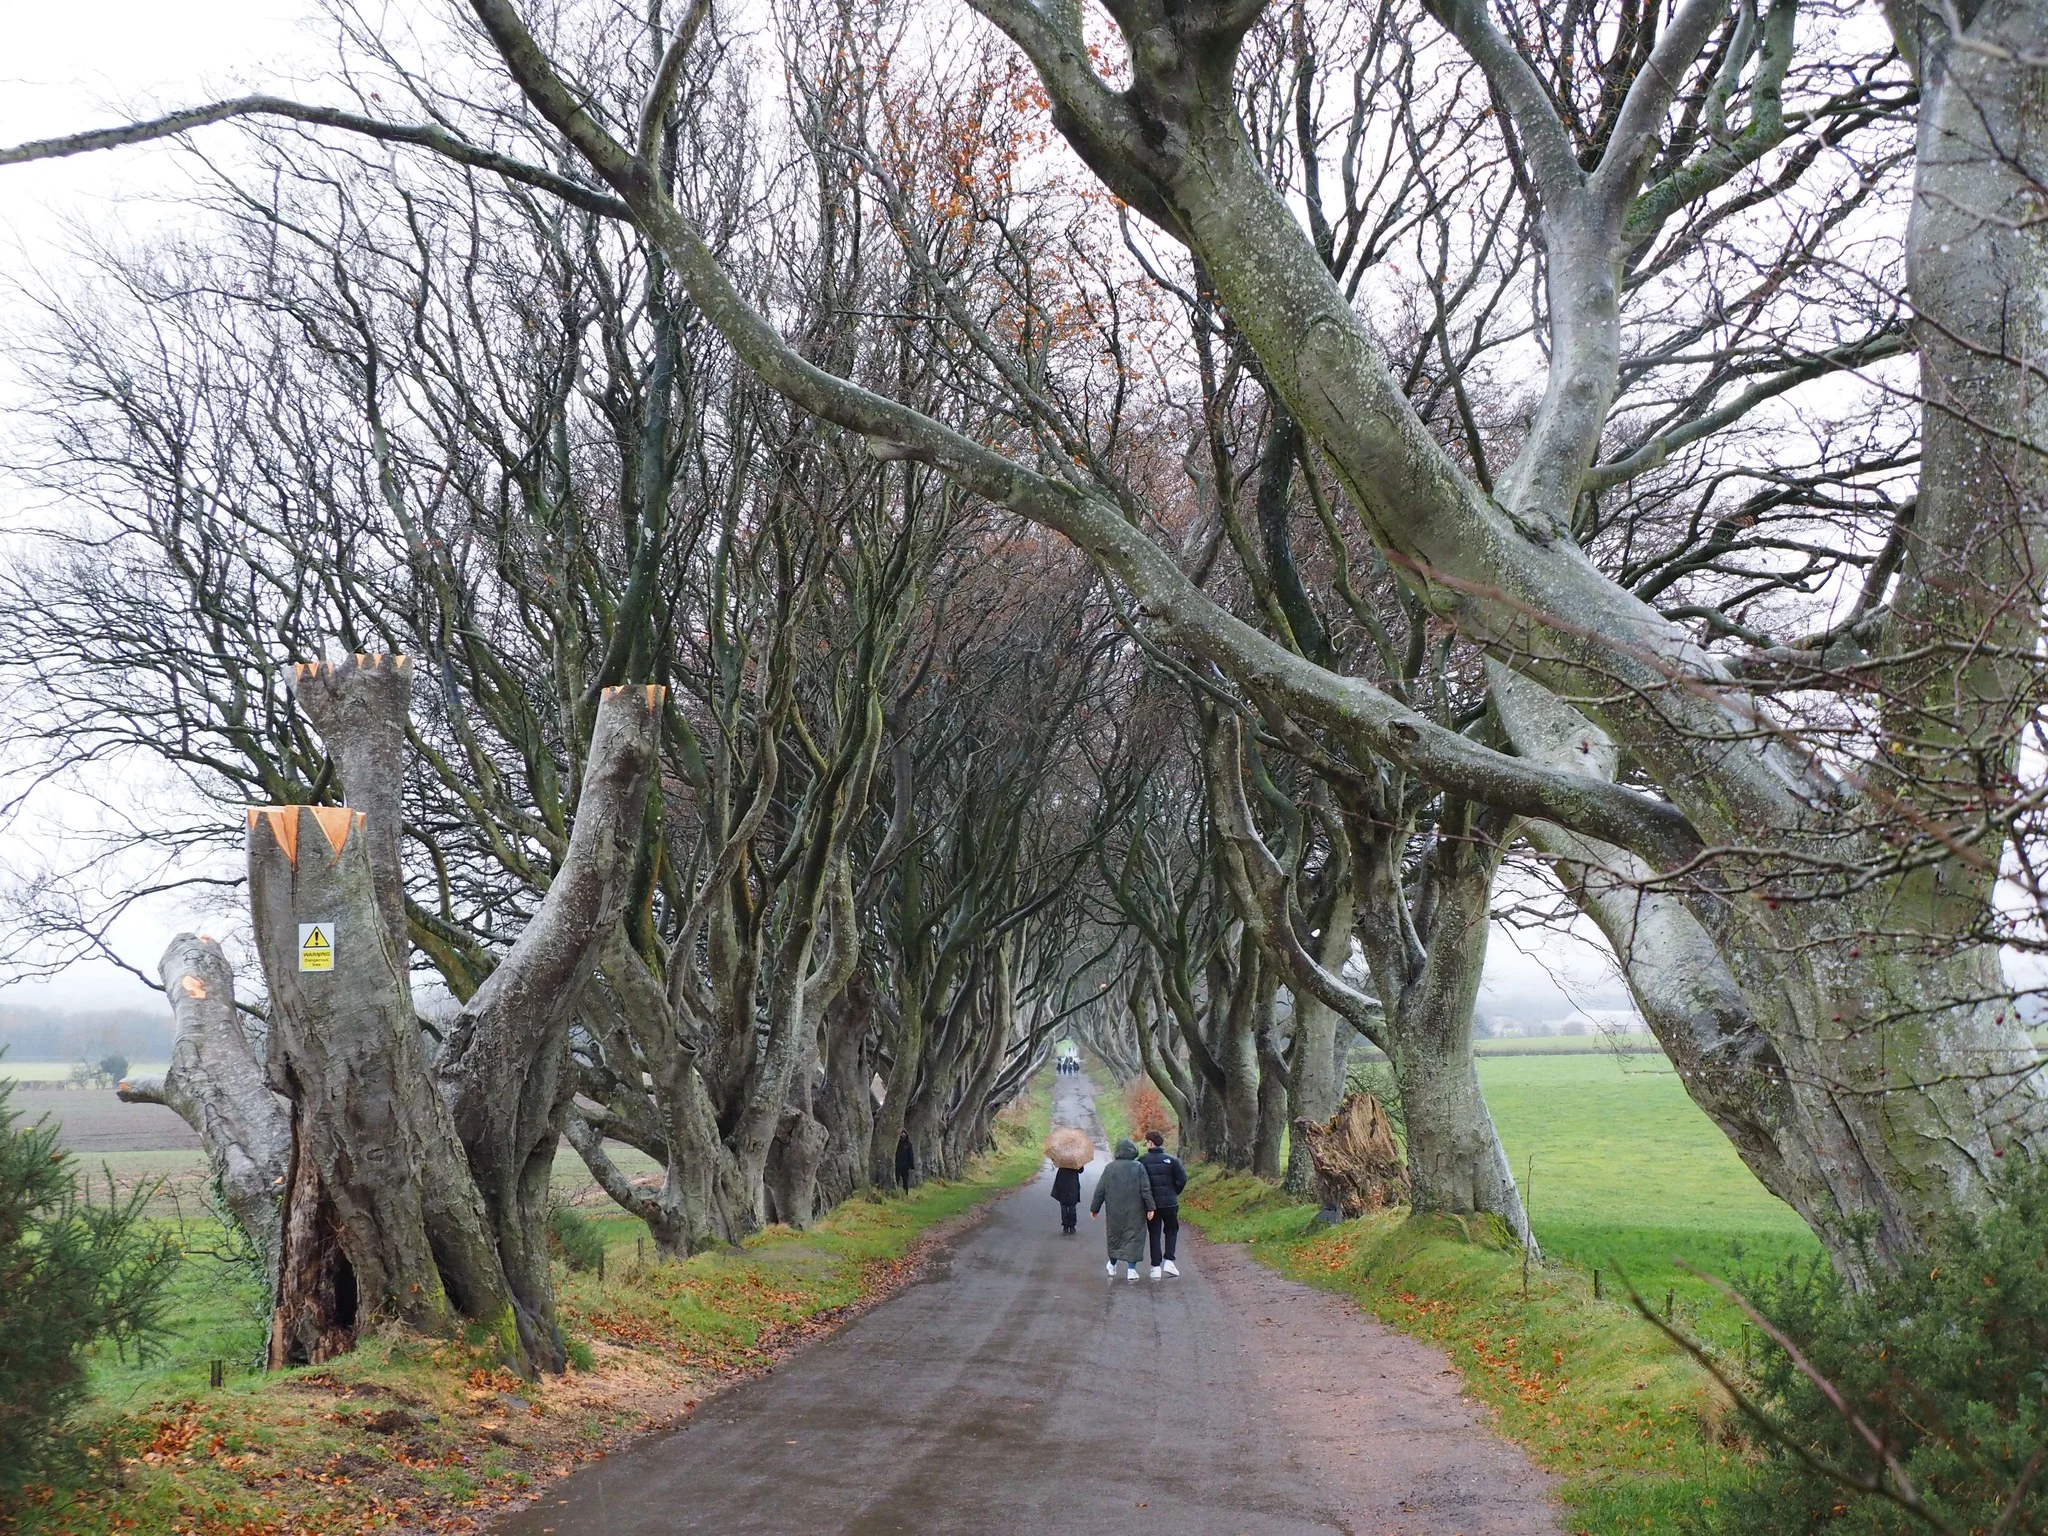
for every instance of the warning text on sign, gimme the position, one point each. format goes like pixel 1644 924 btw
pixel 316 946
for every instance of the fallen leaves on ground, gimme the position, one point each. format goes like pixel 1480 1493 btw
pixel 417 1435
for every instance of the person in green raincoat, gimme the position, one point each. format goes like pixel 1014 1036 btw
pixel 1126 1188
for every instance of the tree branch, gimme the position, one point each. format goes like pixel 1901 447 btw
pixel 420 135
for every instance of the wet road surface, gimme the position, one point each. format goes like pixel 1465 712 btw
pixel 1016 1389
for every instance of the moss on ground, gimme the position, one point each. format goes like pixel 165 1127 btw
pixel 1635 1431
pixel 418 1433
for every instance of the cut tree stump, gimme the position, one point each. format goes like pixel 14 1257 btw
pixel 216 1084
pixel 381 1218
pixel 1358 1164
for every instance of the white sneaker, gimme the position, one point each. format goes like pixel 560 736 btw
pixel 1131 1272
pixel 1155 1271
pixel 1111 1267
pixel 1171 1268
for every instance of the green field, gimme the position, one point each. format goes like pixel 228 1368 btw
pixel 60 1071
pixel 1630 1174
pixel 1567 1045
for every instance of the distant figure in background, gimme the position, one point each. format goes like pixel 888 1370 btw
pixel 1066 1188
pixel 906 1159
pixel 1126 1188
pixel 1169 1176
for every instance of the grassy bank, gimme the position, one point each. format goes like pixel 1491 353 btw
pixel 422 1433
pixel 1630 1426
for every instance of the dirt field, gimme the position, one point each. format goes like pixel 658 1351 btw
pixel 95 1122
pixel 140 1144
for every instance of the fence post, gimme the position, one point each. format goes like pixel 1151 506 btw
pixel 1528 1205
pixel 1596 1285
pixel 1668 1298
pixel 217 1376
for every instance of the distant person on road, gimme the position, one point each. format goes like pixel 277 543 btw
pixel 906 1159
pixel 1169 1176
pixel 1066 1188
pixel 1126 1189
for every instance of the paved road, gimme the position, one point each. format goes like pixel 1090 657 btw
pixel 1015 1389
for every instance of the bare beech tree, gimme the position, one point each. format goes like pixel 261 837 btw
pixel 1831 864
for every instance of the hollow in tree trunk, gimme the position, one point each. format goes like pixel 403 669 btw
pixel 382 1219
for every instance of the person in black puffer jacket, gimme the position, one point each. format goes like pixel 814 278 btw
pixel 1169 1177
pixel 906 1159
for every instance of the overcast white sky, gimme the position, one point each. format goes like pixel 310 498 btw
pixel 81 65
pixel 73 66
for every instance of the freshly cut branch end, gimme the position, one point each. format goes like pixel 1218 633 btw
pixel 284 828
pixel 655 693
pixel 365 661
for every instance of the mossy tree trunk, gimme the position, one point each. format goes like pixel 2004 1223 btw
pixel 382 1220
pixel 505 1071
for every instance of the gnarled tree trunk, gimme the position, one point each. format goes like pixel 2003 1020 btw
pixel 381 1218
pixel 1274 1095
pixel 791 1175
pixel 220 1089
pixel 846 1105
pixel 1455 1160
pixel 505 1071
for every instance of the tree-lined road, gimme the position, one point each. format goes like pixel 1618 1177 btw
pixel 1015 1389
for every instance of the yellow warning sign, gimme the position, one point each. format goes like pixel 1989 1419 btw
pixel 316 946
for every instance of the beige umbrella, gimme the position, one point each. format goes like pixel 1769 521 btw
pixel 1070 1147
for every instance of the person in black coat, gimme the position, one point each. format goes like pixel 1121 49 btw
pixel 906 1160
pixel 1066 1188
pixel 1169 1177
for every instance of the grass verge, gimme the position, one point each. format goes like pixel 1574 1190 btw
pixel 1635 1432
pixel 423 1433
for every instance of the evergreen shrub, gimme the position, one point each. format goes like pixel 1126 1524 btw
pixel 74 1272
pixel 1944 1360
